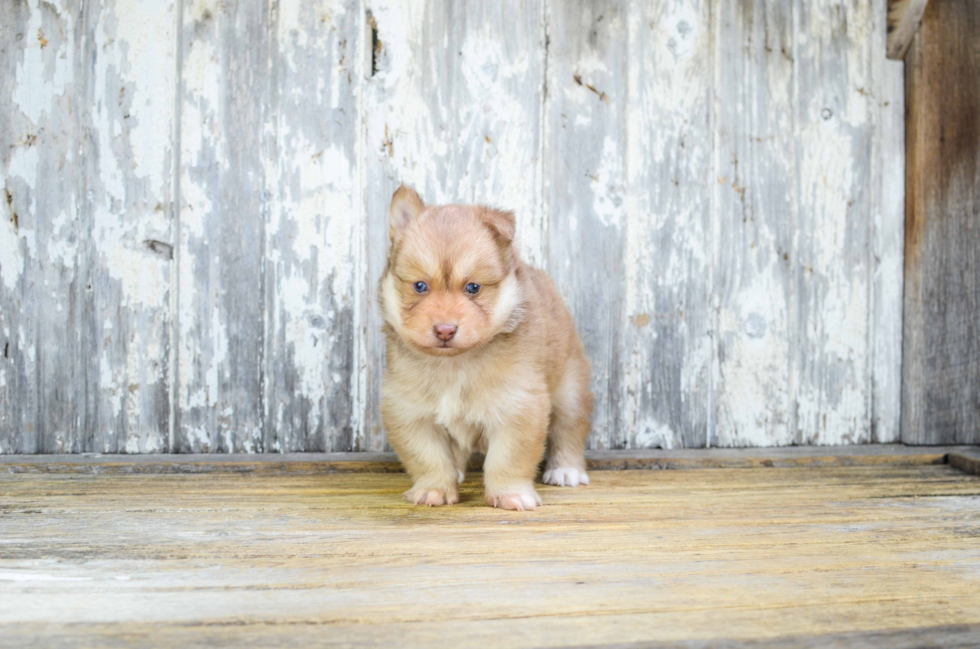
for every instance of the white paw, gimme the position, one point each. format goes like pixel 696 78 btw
pixel 565 477
pixel 526 500
pixel 460 476
pixel 431 497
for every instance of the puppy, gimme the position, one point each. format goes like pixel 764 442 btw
pixel 482 355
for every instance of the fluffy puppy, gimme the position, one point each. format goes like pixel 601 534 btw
pixel 482 355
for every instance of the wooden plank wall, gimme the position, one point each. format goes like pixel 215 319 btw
pixel 196 195
pixel 941 387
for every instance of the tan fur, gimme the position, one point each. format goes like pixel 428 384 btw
pixel 513 381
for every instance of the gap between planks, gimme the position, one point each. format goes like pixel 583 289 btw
pixel 964 458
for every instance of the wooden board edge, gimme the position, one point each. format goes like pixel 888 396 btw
pixel 904 17
pixel 330 463
pixel 966 461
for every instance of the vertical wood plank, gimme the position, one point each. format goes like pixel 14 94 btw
pixel 755 191
pixel 667 344
pixel 34 83
pixel 585 164
pixel 452 107
pixel 124 99
pixel 43 185
pixel 310 244
pixel 889 245
pixel 224 204
pixel 833 279
pixel 941 367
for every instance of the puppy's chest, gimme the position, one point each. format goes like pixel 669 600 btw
pixel 460 398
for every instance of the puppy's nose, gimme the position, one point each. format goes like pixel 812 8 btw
pixel 445 331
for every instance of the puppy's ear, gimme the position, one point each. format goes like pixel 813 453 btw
pixel 405 208
pixel 501 223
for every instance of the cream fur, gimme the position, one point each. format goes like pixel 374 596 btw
pixel 513 381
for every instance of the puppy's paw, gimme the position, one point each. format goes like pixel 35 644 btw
pixel 518 500
pixel 432 497
pixel 565 477
pixel 460 476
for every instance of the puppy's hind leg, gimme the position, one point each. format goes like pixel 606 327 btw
pixel 571 421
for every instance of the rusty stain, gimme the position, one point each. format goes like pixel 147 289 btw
pixel 13 213
pixel 388 144
pixel 133 387
pixel 40 37
pixel 603 96
pixel 487 138
pixel 641 320
pixel 29 140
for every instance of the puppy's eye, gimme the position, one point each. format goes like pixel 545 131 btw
pixel 420 287
pixel 472 288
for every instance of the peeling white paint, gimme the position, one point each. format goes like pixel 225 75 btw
pixel 724 177
pixel 11 258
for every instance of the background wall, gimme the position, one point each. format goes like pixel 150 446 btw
pixel 195 201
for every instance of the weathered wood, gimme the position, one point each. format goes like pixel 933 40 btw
pixel 671 164
pixel 85 251
pixel 756 215
pixel 452 107
pixel 904 17
pixel 224 202
pixel 666 345
pixel 888 213
pixel 22 116
pixel 313 183
pixel 802 555
pixel 832 264
pixel 365 462
pixel 967 460
pixel 793 275
pixel 585 191
pixel 941 369
pixel 125 104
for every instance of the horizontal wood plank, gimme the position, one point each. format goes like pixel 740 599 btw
pixel 325 463
pixel 787 557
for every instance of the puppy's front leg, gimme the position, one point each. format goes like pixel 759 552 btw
pixel 424 448
pixel 514 449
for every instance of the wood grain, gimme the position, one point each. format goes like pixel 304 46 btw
pixel 833 264
pixel 755 219
pixel 21 160
pixel 224 201
pixel 666 346
pixel 365 462
pixel 85 252
pixel 888 212
pixel 125 247
pixel 755 555
pixel 585 193
pixel 196 197
pixel 310 250
pixel 903 20
pixel 941 369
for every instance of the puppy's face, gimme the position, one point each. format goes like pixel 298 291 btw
pixel 450 284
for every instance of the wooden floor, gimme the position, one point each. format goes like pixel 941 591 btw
pixel 759 557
